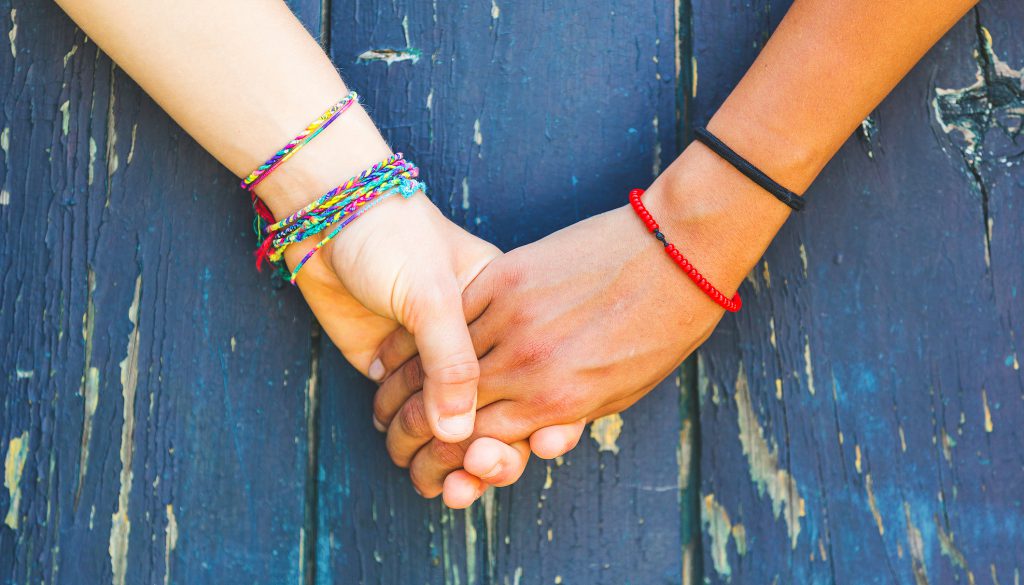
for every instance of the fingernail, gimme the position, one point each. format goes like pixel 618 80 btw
pixel 379 425
pixel 457 426
pixel 376 371
pixel 493 472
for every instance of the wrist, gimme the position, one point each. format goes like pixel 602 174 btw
pixel 719 219
pixel 349 146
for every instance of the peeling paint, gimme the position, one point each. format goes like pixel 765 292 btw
pixel 120 527
pixel 868 134
pixel 92 159
pixel 684 454
pixel 390 56
pixel 808 366
pixel 947 545
pixel 65 116
pixel 763 462
pixel 803 258
pixel 14 465
pixel 988 413
pixel 70 54
pixel 916 544
pixel 857 459
pixel 715 522
pixel 495 10
pixel 605 431
pixel 656 164
pixel 170 542
pixel 12 36
pixel 24 374
pixel 478 138
pixel 465 193
pixel 131 147
pixel 869 488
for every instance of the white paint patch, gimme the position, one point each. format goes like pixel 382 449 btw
pixel 13 35
pixel 24 374
pixel 605 431
pixel 390 56
pixel 478 138
pixel 170 542
pixel 121 526
pixel 70 54
pixel 808 366
pixel 763 462
pixel 14 465
pixel 430 99
pixel 495 10
pixel 656 165
pixel 465 192
pixel 65 116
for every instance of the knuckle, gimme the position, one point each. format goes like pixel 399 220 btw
pixel 412 374
pixel 461 371
pixel 413 419
pixel 448 455
pixel 532 352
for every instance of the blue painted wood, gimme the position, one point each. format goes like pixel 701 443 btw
pixel 525 118
pixel 144 441
pixel 861 417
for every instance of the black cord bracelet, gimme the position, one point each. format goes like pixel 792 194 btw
pixel 753 173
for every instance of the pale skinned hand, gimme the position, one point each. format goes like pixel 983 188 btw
pixel 402 265
pixel 573 327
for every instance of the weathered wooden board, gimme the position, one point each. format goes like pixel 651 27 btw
pixel 861 417
pixel 153 430
pixel 525 117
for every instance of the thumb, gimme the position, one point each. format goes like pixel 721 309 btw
pixel 450 368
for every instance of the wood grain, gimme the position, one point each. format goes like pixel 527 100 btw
pixel 859 417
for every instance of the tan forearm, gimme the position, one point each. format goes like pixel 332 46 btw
pixel 829 63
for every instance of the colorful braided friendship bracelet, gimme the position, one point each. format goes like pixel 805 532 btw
pixel 294 145
pixel 338 207
pixel 732 305
pixel 341 205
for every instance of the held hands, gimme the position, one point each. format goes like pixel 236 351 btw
pixel 404 265
pixel 573 327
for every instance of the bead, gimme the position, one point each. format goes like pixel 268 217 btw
pixel 731 305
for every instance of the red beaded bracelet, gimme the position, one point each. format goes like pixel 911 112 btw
pixel 732 305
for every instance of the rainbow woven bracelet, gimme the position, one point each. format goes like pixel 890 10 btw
pixel 315 127
pixel 338 207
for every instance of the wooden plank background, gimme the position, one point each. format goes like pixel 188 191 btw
pixel 859 422
pixel 877 436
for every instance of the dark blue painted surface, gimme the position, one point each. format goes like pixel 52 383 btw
pixel 525 118
pixel 877 438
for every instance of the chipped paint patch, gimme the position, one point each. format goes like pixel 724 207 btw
pixel 478 138
pixel 947 544
pixel 24 374
pixel 121 526
pixel 390 56
pixel 170 542
pixel 988 413
pixel 916 544
pixel 857 459
pixel 970 111
pixel 684 454
pixel 656 165
pixel 808 366
pixel 495 10
pixel 803 258
pixel 869 487
pixel 70 54
pixel 12 36
pixel 14 465
pixel 92 159
pixel 605 431
pixel 465 193
pixel 763 462
pixel 5 145
pixel 65 116
pixel 715 522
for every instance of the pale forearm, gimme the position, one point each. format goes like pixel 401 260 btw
pixel 241 77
